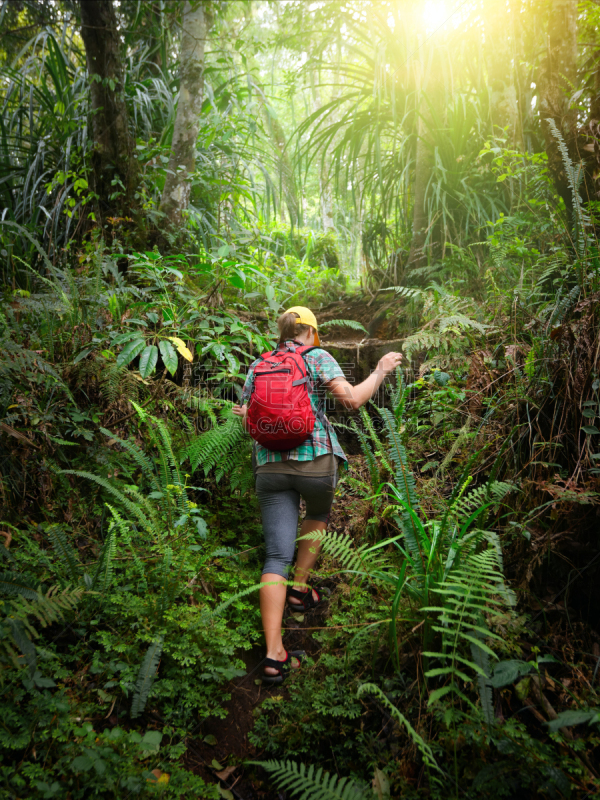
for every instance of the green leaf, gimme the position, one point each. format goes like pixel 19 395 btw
pixel 590 429
pixel 148 361
pixel 169 356
pixel 82 764
pixel 121 338
pixel 82 355
pixel 151 741
pixel 566 718
pixel 441 378
pixel 130 351
pixel 508 672
pixel 236 281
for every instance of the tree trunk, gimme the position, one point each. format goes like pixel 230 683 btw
pixel 557 76
pixel 116 170
pixel 182 163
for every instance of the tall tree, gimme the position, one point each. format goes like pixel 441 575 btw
pixel 182 163
pixel 558 75
pixel 115 169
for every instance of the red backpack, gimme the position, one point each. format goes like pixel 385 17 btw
pixel 280 415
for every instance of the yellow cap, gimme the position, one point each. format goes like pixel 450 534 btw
pixel 306 317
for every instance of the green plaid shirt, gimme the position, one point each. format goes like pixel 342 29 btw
pixel 322 368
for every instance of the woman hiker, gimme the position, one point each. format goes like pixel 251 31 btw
pixel 309 470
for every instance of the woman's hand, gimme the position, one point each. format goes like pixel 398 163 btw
pixel 389 362
pixel 241 411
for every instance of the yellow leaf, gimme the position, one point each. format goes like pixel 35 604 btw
pixel 160 777
pixel 181 348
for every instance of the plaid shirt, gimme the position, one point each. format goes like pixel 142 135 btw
pixel 322 368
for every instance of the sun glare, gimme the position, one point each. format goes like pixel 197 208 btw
pixel 435 14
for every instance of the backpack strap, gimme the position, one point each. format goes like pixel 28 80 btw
pixel 303 351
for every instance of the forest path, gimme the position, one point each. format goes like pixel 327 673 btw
pixel 358 354
pixel 231 745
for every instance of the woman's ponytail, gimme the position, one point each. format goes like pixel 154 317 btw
pixel 289 327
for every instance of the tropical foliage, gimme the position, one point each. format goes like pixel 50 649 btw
pixel 423 175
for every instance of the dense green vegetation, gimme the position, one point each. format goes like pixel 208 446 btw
pixel 423 171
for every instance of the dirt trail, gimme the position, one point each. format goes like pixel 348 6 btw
pixel 358 354
pixel 231 734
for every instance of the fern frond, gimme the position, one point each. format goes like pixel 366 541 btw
pixel 424 340
pixel 491 493
pixel 125 534
pixel 426 751
pixel 404 479
pixel 405 291
pixel 145 677
pixel 574 176
pixel 104 571
pixel 466 596
pixel 308 783
pixel 23 641
pixel 141 459
pixel 368 454
pixel 217 445
pixel 52 606
pixel 133 508
pixel 46 609
pixel 16 584
pixel 482 659
pixel 461 321
pixel 361 560
pixel 346 323
pixel 65 552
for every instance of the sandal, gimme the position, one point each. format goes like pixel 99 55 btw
pixel 307 601
pixel 283 667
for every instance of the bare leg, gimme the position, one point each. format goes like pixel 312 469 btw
pixel 308 553
pixel 272 603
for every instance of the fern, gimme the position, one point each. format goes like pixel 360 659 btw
pixel 467 595
pixel 52 606
pixel 363 560
pixel 135 509
pixel 490 494
pixel 138 455
pixel 308 783
pixel 346 323
pixel 426 751
pixel 405 291
pixel 223 448
pixel 563 305
pixel 104 571
pixel 404 479
pixel 19 632
pixel 574 176
pixel 482 659
pixel 14 583
pixel 65 552
pixel 145 677
pixel 368 453
pixel 125 534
